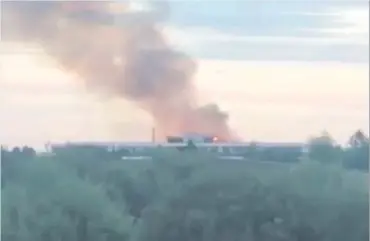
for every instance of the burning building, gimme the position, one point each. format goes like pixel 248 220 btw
pixel 193 137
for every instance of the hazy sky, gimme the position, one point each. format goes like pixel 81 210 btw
pixel 283 70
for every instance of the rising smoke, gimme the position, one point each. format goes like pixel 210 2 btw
pixel 124 55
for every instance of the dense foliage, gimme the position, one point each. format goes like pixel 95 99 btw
pixel 87 195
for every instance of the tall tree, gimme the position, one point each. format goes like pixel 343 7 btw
pixel 323 149
pixel 357 154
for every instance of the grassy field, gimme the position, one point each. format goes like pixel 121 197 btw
pixel 181 197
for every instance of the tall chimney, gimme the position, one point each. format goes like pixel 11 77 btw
pixel 153 134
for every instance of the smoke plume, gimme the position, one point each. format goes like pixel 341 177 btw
pixel 120 53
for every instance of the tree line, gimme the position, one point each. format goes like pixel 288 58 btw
pixel 90 194
pixel 320 148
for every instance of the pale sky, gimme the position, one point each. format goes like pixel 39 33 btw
pixel 276 87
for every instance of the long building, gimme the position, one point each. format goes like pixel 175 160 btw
pixel 222 147
pixel 205 142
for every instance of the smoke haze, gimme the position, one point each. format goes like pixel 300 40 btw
pixel 123 55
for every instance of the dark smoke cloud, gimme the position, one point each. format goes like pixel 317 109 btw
pixel 123 55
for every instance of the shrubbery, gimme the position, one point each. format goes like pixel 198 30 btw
pixel 188 196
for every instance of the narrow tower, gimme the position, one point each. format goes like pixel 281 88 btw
pixel 153 135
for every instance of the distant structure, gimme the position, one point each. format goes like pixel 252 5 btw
pixel 153 135
pixel 205 142
pixel 196 138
